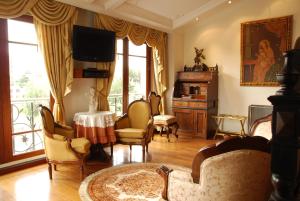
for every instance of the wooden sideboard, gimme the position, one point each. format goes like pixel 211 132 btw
pixel 195 101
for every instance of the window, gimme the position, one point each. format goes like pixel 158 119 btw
pixel 27 87
pixel 131 79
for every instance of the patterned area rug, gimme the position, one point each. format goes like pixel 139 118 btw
pixel 134 182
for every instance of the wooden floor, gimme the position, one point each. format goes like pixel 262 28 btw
pixel 33 184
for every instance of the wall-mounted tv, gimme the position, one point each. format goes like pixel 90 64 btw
pixel 91 44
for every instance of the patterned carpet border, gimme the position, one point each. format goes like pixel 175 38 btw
pixel 84 187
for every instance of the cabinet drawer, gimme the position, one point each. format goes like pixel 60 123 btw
pixel 198 104
pixel 190 104
pixel 180 104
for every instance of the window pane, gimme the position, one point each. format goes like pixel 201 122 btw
pixel 23 32
pixel 137 50
pixel 29 87
pixel 120 46
pixel 137 78
pixel 115 96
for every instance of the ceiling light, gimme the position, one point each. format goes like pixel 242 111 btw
pixel 229 2
pixel 197 19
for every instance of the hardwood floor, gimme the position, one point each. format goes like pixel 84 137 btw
pixel 33 184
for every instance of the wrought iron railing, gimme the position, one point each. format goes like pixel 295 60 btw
pixel 26 126
pixel 115 101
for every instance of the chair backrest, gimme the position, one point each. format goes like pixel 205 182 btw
pixel 139 114
pixel 47 119
pixel 235 169
pixel 262 127
pixel 154 101
pixel 237 175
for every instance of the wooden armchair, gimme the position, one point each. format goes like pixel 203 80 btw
pixel 60 145
pixel 135 127
pixel 235 169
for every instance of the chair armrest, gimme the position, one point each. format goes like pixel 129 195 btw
pixel 65 131
pixel 149 130
pixel 164 172
pixel 122 122
pixel 198 160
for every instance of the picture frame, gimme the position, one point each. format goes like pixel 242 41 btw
pixel 263 43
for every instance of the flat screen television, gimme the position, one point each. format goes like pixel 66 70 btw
pixel 94 45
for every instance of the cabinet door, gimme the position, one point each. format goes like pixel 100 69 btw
pixel 201 123
pixel 185 120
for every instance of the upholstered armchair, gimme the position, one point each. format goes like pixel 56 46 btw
pixel 60 145
pixel 135 127
pixel 236 169
pixel 162 121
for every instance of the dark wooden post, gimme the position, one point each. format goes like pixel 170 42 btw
pixel 286 130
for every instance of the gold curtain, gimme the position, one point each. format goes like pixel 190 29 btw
pixel 15 8
pixel 54 23
pixel 138 35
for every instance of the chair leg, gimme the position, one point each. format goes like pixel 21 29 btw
pixel 54 167
pixel 168 133
pixel 81 170
pixel 143 152
pixel 111 149
pixel 147 148
pixel 175 129
pixel 50 170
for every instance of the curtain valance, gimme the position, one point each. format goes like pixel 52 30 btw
pixel 15 8
pixel 48 12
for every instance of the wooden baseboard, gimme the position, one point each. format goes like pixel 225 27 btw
pixel 22 166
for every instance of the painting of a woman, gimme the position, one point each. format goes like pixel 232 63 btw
pixel 263 45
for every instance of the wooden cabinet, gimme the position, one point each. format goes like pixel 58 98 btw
pixel 195 100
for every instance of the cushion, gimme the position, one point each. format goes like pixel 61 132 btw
pixel 164 119
pixel 81 145
pixel 130 133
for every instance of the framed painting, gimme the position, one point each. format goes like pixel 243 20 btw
pixel 263 43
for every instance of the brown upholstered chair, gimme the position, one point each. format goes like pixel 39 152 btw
pixel 135 127
pixel 60 145
pixel 163 122
pixel 235 169
pixel 262 127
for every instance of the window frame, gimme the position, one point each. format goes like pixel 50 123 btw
pixel 149 71
pixel 6 152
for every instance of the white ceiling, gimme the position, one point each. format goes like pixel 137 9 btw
pixel 165 15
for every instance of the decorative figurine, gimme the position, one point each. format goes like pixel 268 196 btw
pixel 93 100
pixel 199 66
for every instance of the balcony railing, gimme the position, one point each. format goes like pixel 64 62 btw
pixel 26 126
pixel 115 101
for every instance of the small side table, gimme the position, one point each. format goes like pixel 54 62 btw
pixel 220 122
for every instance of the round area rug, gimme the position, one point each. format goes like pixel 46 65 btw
pixel 133 182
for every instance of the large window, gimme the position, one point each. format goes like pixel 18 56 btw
pixel 131 79
pixel 27 87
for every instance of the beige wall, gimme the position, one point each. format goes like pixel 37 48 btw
pixel 219 35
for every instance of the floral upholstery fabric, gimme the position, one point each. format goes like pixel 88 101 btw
pixel 242 175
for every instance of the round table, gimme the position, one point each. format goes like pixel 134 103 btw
pixel 98 127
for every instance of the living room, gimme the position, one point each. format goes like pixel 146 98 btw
pixel 214 26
